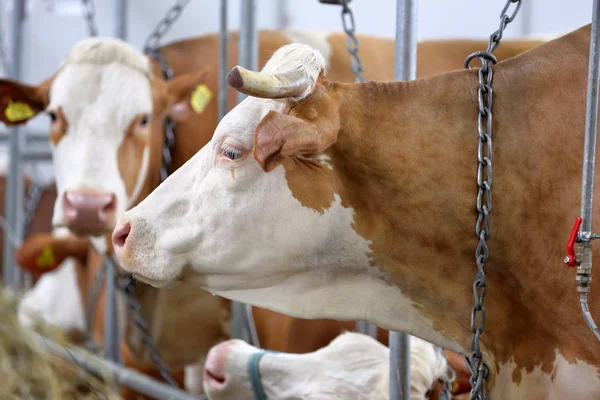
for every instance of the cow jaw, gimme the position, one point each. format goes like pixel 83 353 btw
pixel 99 103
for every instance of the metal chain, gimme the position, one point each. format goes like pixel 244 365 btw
pixel 34 195
pixel 89 13
pixel 127 286
pixel 4 60
pixel 164 25
pixel 352 44
pixel 448 379
pixel 479 370
pixel 91 306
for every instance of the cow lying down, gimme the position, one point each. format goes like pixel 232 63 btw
pixel 352 366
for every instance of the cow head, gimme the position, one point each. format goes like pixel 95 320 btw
pixel 352 366
pixel 261 205
pixel 106 112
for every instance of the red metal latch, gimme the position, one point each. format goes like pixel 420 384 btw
pixel 570 259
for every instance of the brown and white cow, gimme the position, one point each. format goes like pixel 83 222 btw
pixel 357 201
pixel 107 104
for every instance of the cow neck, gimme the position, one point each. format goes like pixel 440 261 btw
pixel 412 187
pixel 411 182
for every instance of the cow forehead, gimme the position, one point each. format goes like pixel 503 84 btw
pixel 103 94
pixel 241 122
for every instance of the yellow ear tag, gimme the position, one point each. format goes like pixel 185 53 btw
pixel 18 111
pixel 200 98
pixel 454 386
pixel 46 258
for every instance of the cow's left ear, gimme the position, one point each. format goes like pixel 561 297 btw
pixel 278 136
pixel 187 95
pixel 20 102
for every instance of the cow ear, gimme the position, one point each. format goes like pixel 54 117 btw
pixel 20 102
pixel 41 253
pixel 187 95
pixel 278 136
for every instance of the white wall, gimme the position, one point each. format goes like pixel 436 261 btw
pixel 53 26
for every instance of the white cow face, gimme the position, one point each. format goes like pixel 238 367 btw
pixel 225 223
pixel 353 366
pixel 100 125
pixel 107 112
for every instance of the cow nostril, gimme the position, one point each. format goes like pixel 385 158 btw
pixel 215 377
pixel 119 236
pixel 111 205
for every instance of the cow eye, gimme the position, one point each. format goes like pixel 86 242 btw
pixel 231 153
pixel 144 120
pixel 52 116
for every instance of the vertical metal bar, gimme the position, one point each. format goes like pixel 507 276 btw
pixel 248 43
pixel 591 120
pixel 111 311
pixel 526 18
pixel 282 14
pixel 584 252
pixel 247 58
pixel 14 180
pixel 223 60
pixel 111 320
pixel 405 70
pixel 121 17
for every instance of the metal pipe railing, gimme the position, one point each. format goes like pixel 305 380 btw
pixel 121 17
pixel 584 269
pixel 405 70
pixel 12 275
pixel 248 43
pixel 112 335
pixel 223 61
pixel 110 370
pixel 248 58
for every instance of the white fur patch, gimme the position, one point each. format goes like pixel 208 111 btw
pixel 579 380
pixel 106 50
pixel 55 300
pixel 297 56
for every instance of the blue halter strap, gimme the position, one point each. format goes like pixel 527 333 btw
pixel 254 374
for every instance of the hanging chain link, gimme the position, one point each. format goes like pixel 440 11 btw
pixel 151 48
pixel 91 307
pixel 479 370
pixel 164 25
pixel 34 195
pixel 352 44
pixel 127 285
pixel 89 13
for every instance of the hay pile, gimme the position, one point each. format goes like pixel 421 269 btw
pixel 27 371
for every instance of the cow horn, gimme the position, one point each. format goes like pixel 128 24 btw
pixel 269 86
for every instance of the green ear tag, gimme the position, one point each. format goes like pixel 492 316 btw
pixel 18 111
pixel 200 98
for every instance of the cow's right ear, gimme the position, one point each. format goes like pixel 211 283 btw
pixel 20 102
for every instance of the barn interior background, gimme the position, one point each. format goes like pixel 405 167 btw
pixel 51 27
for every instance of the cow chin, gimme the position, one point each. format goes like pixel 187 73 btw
pixel 160 284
